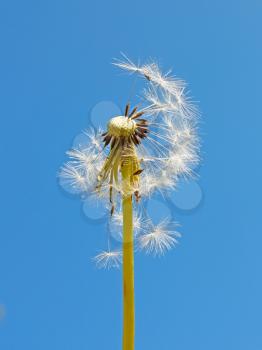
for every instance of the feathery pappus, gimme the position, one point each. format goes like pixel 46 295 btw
pixel 159 142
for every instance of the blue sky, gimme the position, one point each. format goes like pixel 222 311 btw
pixel 55 73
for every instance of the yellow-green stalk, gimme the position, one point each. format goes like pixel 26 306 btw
pixel 128 261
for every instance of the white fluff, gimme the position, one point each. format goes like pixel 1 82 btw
pixel 108 259
pixel 159 239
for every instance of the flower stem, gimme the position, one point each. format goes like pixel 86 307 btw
pixel 128 263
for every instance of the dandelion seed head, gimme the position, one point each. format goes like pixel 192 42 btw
pixel 163 140
pixel 159 142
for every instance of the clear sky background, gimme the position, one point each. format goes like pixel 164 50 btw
pixel 55 78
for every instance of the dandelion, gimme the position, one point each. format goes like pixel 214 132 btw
pixel 144 151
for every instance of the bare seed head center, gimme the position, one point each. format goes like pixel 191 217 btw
pixel 121 126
